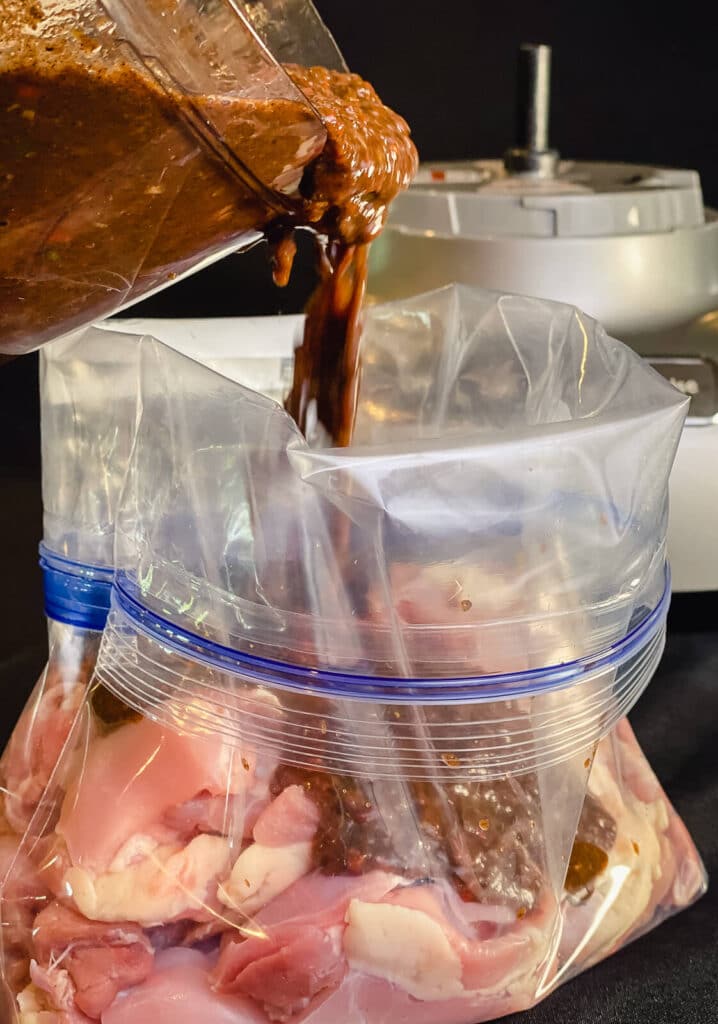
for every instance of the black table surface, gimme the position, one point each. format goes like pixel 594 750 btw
pixel 667 977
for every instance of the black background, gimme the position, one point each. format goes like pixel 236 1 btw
pixel 632 82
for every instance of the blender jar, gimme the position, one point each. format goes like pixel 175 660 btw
pixel 140 141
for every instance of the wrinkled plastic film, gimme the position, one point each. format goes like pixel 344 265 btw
pixel 537 539
pixel 280 799
pixel 652 870
pixel 39 736
pixel 89 387
pixel 88 402
pixel 372 732
pixel 254 351
pixel 233 870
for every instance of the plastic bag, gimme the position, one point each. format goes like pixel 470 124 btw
pixel 574 533
pixel 257 352
pixel 89 392
pixel 333 765
pixel 652 868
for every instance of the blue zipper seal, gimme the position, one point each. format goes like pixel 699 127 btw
pixel 127 596
pixel 76 594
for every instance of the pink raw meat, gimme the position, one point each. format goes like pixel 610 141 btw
pixel 681 877
pixel 364 1000
pixel 35 746
pixel 99 974
pixel 322 900
pixel 487 963
pixel 300 958
pixel 299 955
pixel 178 992
pixel 101 959
pixel 440 900
pixel 131 779
pixel 9 845
pixel 22 883
pixel 653 867
pixel 634 768
pixel 682 866
pixel 23 894
pixel 230 813
pixel 57 986
pixel 215 815
pixel 284 971
pixel 447 594
pixel 50 855
pixel 219 815
pixel 290 818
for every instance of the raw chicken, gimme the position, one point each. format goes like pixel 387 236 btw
pixel 178 992
pixel 132 778
pixel 101 960
pixel 650 868
pixel 362 999
pixel 122 859
pixel 294 951
pixel 216 815
pixel 291 818
pixel 50 998
pixel 486 963
pixel 415 937
pixel 24 894
pixel 36 743
pixel 166 883
pixel 284 971
pixel 232 813
pixel 315 910
pixel 262 872
pixel 463 599
pixel 279 856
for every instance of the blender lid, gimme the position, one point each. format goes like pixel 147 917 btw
pixel 533 194
pixel 581 200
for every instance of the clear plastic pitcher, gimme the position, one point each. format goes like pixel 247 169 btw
pixel 141 139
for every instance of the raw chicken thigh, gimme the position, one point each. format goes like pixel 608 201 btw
pixel 186 878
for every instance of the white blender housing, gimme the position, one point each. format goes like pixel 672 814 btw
pixel 631 245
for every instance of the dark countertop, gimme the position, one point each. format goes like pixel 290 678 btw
pixel 667 977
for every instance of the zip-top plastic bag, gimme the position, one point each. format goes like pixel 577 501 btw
pixel 89 395
pixel 88 403
pixel 343 758
pixel 256 351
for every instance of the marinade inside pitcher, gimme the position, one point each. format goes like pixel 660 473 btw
pixel 107 192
